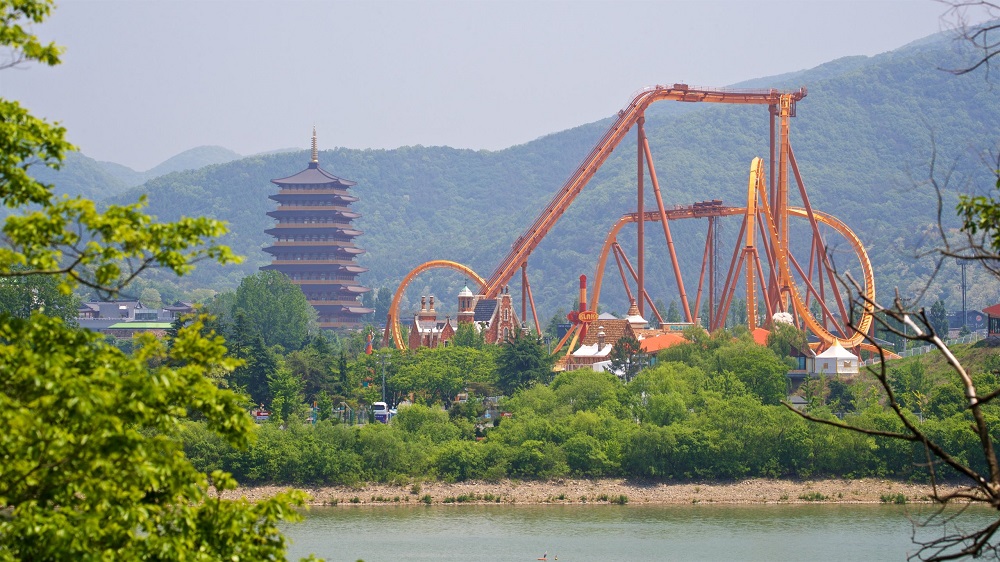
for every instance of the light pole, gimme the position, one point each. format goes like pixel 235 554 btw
pixel 965 314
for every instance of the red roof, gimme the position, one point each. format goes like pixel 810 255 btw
pixel 661 342
pixel 760 336
pixel 992 310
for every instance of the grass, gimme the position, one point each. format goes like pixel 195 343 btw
pixel 898 499
pixel 813 497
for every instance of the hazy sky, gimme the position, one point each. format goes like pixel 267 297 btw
pixel 144 80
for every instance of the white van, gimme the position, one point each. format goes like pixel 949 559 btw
pixel 381 411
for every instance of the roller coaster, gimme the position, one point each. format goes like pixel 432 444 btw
pixel 813 295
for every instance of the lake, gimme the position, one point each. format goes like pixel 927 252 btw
pixel 590 533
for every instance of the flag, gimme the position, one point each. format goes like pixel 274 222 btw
pixel 368 345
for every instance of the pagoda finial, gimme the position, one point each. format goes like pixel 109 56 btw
pixel 315 153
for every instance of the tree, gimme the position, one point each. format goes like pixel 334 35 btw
pixel 756 367
pixel 382 303
pixel 468 336
pixel 20 296
pixel 287 389
pixel 673 313
pixel 939 318
pixel 430 376
pixel 522 361
pixel 627 358
pixel 654 322
pixel 979 470
pixel 92 467
pixel 983 38
pixel 276 308
pixel 784 337
pixel 314 370
pixel 150 298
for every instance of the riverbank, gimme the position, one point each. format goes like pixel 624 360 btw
pixel 569 491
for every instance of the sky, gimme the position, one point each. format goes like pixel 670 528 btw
pixel 142 81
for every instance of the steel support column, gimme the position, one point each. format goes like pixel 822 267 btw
pixel 640 203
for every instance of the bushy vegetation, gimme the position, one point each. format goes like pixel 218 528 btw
pixel 709 409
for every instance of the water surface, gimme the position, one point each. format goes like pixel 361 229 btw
pixel 590 533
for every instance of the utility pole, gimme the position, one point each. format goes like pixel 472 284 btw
pixel 965 314
pixel 383 360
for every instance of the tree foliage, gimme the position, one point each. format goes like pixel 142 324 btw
pixel 627 357
pixel 90 467
pixel 20 296
pixel 276 308
pixel 522 361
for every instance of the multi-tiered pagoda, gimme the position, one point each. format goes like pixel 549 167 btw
pixel 314 243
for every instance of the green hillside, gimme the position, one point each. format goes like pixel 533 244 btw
pixel 81 175
pixel 863 137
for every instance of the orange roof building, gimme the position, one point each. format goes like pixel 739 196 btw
pixel 658 343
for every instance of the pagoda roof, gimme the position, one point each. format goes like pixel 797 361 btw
pixel 284 196
pixel 335 246
pixel 343 308
pixel 316 228
pixel 313 175
pixel 357 289
pixel 296 266
pixel 318 211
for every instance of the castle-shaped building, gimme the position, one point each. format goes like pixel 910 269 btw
pixel 493 318
pixel 314 243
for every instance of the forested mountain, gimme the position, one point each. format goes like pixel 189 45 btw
pixel 81 175
pixel 864 138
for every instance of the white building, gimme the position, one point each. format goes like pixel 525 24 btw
pixel 835 361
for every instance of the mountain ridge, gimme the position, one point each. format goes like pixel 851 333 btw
pixel 863 136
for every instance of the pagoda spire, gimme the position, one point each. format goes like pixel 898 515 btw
pixel 315 152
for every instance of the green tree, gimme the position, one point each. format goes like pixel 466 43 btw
pixel 673 313
pixel 22 295
pixel 150 298
pixel 308 365
pixel 324 406
pixel 627 358
pixel 784 337
pixel 382 303
pixel 430 376
pixel 522 361
pixel 259 362
pixel 288 400
pixel 939 319
pixel 91 464
pixel 276 308
pixel 653 322
pixel 342 385
pixel 758 368
pixel 468 336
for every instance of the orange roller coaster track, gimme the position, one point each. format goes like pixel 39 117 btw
pixel 757 205
pixel 767 212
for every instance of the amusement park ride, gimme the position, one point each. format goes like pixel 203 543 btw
pixel 784 285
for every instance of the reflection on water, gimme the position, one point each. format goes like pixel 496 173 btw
pixel 582 533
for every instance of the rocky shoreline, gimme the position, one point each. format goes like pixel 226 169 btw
pixel 568 491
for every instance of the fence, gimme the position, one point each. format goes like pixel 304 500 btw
pixel 915 351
